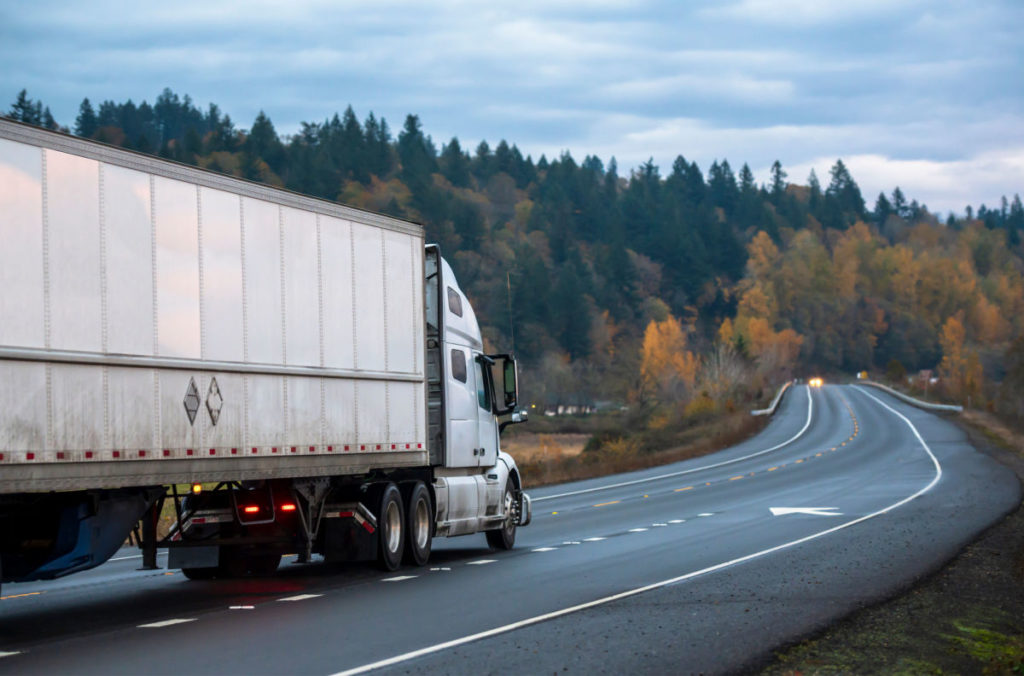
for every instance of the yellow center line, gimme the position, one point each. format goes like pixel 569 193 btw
pixel 799 461
pixel 772 469
pixel 18 596
pixel 817 455
pixel 613 502
pixel 685 488
pixel 735 478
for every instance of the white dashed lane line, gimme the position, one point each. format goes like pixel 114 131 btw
pixel 399 578
pixel 8 654
pixel 544 549
pixel 637 530
pixel 595 539
pixel 241 607
pixel 300 597
pixel 481 562
pixel 166 623
pixel 439 569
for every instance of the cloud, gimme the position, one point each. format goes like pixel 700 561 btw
pixel 806 12
pixel 943 186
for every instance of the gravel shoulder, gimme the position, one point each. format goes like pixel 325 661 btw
pixel 967 618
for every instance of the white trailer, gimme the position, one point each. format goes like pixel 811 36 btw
pixel 164 325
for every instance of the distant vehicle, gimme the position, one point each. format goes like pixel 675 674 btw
pixel 862 375
pixel 815 382
pixel 316 368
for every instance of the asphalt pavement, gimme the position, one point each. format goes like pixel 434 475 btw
pixel 704 566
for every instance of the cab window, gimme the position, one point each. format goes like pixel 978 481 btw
pixel 459 365
pixel 454 302
pixel 481 389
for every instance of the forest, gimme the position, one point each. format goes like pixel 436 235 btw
pixel 678 291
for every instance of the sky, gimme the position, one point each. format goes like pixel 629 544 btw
pixel 925 95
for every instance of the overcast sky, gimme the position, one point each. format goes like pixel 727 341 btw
pixel 925 95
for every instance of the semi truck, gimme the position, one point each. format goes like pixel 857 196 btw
pixel 280 373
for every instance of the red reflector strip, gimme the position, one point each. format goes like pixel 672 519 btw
pixel 368 527
pixel 189 452
pixel 213 451
pixel 30 456
pixel 345 515
pixel 167 453
pixel 88 455
pixel 199 520
pixel 312 449
pixel 142 454
pixel 60 455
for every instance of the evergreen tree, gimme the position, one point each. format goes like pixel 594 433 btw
pixel 778 185
pixel 47 120
pixel 882 209
pixel 86 122
pixel 26 110
pixel 899 204
pixel 455 164
pixel 416 154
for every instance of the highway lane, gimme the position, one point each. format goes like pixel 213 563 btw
pixel 838 447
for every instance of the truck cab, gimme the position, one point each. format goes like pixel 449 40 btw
pixel 468 391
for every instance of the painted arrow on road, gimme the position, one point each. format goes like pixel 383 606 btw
pixel 815 511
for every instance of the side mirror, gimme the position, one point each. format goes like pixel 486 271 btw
pixel 511 380
pixel 507 394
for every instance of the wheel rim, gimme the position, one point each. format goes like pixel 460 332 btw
pixel 422 524
pixel 510 512
pixel 394 526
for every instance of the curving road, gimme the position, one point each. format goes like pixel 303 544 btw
pixel 702 566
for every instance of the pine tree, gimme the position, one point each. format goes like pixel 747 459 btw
pixel 26 110
pixel 455 164
pixel 778 186
pixel 86 123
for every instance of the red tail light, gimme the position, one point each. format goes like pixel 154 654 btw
pixel 252 509
pixel 287 507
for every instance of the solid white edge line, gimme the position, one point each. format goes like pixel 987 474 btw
pixel 664 583
pixel 8 654
pixel 166 623
pixel 810 409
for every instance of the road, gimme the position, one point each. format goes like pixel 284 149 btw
pixel 704 566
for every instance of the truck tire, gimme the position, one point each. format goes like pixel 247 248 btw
pixel 390 529
pixel 505 537
pixel 419 518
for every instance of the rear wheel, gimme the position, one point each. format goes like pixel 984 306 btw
pixel 418 518
pixel 505 537
pixel 390 529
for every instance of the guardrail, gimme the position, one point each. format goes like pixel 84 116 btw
pixel 775 402
pixel 914 402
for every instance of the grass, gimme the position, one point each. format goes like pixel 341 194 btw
pixel 615 449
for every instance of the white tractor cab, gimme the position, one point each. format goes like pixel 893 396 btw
pixel 477 486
